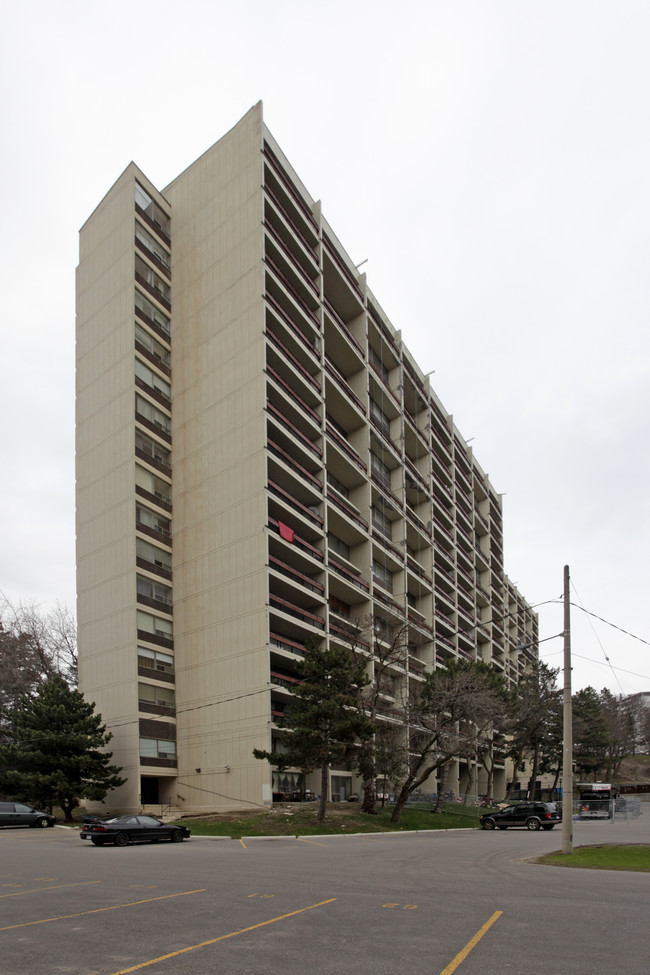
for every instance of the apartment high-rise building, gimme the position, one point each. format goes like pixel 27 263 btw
pixel 260 462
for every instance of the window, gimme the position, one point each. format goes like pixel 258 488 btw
pixel 375 360
pixel 144 516
pixel 151 553
pixel 152 245
pixel 381 419
pixel 146 409
pixel 151 312
pixel 153 280
pixel 157 350
pixel 157 748
pixel 150 694
pixel 152 448
pixel 155 661
pixel 148 623
pixel 382 575
pixel 152 589
pixel 381 522
pixel 154 485
pixel 379 468
pixel 338 546
pixel 336 484
pixel 152 379
pixel 338 606
pixel 153 211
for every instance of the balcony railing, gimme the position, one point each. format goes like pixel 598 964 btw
pixel 346 508
pixel 343 445
pixel 284 643
pixel 336 318
pixel 292 502
pixel 278 169
pixel 291 609
pixel 348 574
pixel 311 345
pixel 297 540
pixel 287 570
pixel 292 223
pixel 275 449
pixel 293 430
pixel 342 266
pixel 332 371
pixel 297 297
pixel 295 362
pixel 290 391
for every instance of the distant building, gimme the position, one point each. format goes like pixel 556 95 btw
pixel 260 460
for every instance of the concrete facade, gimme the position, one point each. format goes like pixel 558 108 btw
pixel 260 461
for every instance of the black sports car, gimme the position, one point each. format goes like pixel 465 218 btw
pixel 123 830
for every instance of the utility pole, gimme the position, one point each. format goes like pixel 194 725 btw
pixel 567 750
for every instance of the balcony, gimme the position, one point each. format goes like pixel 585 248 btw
pixel 278 172
pixel 297 612
pixel 294 262
pixel 294 362
pixel 339 440
pixel 284 643
pixel 343 329
pixel 298 541
pixel 293 430
pixel 348 510
pixel 295 575
pixel 342 383
pixel 276 303
pixel 277 451
pixel 309 246
pixel 348 574
pixel 289 391
pixel 289 500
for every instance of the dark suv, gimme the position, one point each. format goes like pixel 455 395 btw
pixel 17 814
pixel 532 815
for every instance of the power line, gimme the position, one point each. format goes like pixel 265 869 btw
pixel 613 625
pixel 581 606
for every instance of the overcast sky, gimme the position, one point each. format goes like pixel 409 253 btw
pixel 491 160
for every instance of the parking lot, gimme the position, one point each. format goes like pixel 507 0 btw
pixel 463 901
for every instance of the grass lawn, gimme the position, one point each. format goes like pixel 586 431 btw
pixel 613 857
pixel 289 819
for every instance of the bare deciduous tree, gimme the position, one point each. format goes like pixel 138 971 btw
pixel 33 647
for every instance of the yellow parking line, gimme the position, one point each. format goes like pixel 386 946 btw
pixel 462 955
pixel 232 934
pixel 99 910
pixel 34 890
pixel 243 844
pixel 313 842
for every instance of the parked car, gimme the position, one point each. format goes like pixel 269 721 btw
pixel 532 815
pixel 18 814
pixel 122 830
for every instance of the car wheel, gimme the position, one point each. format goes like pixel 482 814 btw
pixel 177 836
pixel 487 824
pixel 549 827
pixel 122 839
pixel 533 824
pixel 95 840
pixel 42 822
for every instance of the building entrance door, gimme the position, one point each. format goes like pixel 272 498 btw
pixel 149 792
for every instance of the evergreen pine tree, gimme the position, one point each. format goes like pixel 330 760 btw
pixel 323 724
pixel 54 753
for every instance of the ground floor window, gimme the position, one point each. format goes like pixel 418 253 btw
pixel 288 782
pixel 341 787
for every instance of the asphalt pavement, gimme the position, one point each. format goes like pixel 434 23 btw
pixel 463 901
